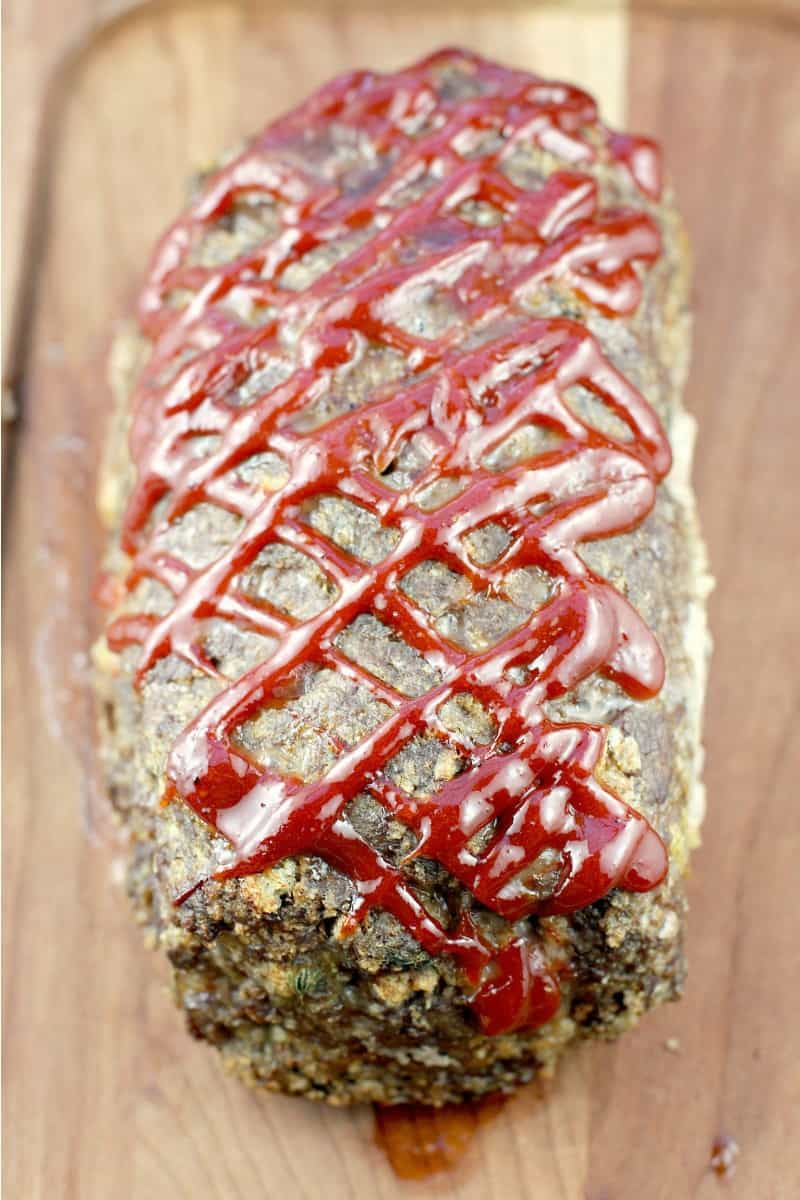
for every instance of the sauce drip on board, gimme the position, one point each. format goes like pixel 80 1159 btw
pixel 420 1141
pixel 725 1150
pixel 494 370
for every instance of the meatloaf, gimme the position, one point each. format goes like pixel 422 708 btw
pixel 401 682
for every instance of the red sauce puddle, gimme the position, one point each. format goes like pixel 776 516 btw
pixel 535 780
pixel 420 1141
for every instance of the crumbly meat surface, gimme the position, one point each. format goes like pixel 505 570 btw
pixel 259 966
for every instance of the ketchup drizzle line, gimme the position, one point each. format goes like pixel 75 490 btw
pixel 466 399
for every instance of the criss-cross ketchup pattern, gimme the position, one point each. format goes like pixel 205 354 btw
pixel 465 393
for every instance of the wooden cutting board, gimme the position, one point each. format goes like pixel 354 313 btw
pixel 105 1094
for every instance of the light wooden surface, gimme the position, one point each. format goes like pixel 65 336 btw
pixel 105 1096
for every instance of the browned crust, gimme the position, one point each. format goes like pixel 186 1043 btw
pixel 257 964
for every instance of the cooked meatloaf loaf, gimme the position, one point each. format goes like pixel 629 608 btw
pixel 402 676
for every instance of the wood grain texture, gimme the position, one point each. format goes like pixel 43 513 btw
pixel 105 1095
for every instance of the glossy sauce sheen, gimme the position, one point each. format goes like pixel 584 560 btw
pixel 420 1141
pixel 465 397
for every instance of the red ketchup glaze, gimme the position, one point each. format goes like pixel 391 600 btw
pixel 466 399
